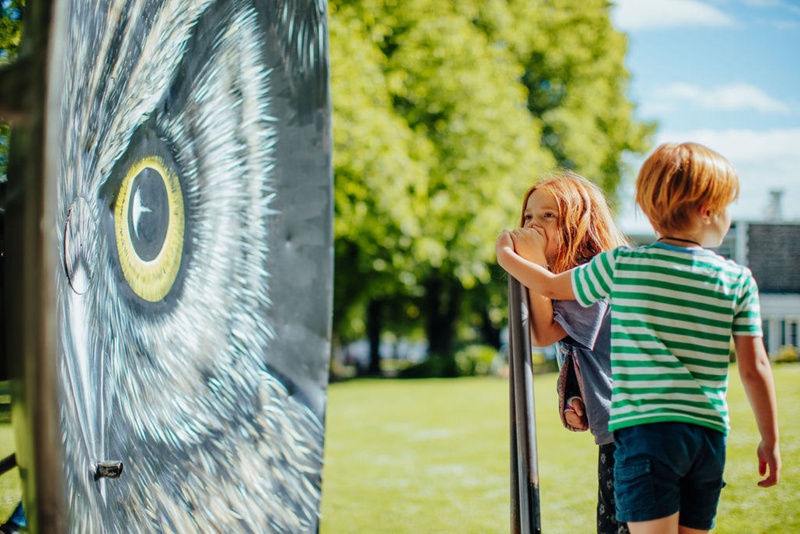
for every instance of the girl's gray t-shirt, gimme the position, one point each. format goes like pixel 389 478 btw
pixel 589 338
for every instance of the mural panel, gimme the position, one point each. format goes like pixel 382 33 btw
pixel 194 227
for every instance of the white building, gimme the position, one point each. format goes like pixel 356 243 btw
pixel 772 252
pixel 771 249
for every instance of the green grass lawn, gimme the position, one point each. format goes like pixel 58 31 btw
pixel 10 487
pixel 432 456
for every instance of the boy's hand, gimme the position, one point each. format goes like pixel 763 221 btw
pixel 530 243
pixel 769 459
pixel 756 375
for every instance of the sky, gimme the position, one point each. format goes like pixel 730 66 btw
pixel 726 74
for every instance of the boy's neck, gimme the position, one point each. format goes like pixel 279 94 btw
pixel 680 241
pixel 694 235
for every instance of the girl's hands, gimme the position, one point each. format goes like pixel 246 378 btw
pixel 530 243
pixel 504 240
pixel 504 244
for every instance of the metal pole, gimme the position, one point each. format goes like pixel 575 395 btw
pixel 524 460
pixel 516 521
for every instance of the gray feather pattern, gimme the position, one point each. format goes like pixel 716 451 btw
pixel 210 439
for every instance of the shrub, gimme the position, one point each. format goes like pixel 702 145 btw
pixel 787 354
pixel 542 364
pixel 435 366
pixel 475 360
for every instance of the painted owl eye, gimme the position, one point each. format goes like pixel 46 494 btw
pixel 148 222
pixel 149 227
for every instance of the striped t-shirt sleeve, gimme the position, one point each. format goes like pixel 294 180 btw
pixel 593 280
pixel 747 313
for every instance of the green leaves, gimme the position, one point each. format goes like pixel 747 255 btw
pixel 11 12
pixel 445 113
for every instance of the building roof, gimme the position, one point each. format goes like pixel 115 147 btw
pixel 770 249
pixel 773 254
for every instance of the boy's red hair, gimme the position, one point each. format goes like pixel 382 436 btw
pixel 585 223
pixel 679 179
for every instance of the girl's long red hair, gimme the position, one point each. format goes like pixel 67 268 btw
pixel 586 225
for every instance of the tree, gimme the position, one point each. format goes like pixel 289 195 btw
pixel 459 75
pixel 467 98
pixel 461 99
pixel 10 32
pixel 577 82
pixel 10 28
pixel 381 182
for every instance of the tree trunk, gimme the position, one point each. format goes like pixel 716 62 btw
pixel 489 333
pixel 443 299
pixel 374 327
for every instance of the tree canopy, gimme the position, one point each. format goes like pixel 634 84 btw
pixel 444 114
pixel 10 28
pixel 10 31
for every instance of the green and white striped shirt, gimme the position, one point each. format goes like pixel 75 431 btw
pixel 673 311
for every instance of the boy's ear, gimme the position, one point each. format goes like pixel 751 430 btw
pixel 705 213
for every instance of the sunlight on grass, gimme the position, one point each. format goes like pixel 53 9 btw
pixel 433 456
pixel 10 486
pixel 744 507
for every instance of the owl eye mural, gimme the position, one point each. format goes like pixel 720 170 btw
pixel 145 197
pixel 192 228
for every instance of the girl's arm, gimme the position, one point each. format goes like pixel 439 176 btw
pixel 544 330
pixel 534 277
pixel 756 376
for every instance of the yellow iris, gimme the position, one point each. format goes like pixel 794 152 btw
pixel 151 277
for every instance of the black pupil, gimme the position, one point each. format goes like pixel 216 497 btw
pixel 148 214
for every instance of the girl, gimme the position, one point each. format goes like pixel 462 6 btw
pixel 573 215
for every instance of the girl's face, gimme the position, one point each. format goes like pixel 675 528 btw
pixel 541 211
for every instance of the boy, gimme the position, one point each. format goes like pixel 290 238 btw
pixel 674 307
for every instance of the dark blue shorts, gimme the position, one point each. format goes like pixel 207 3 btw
pixel 663 468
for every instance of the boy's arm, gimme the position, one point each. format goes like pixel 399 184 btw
pixel 756 376
pixel 534 277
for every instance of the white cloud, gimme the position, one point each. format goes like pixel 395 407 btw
pixel 765 160
pixel 733 97
pixel 659 14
